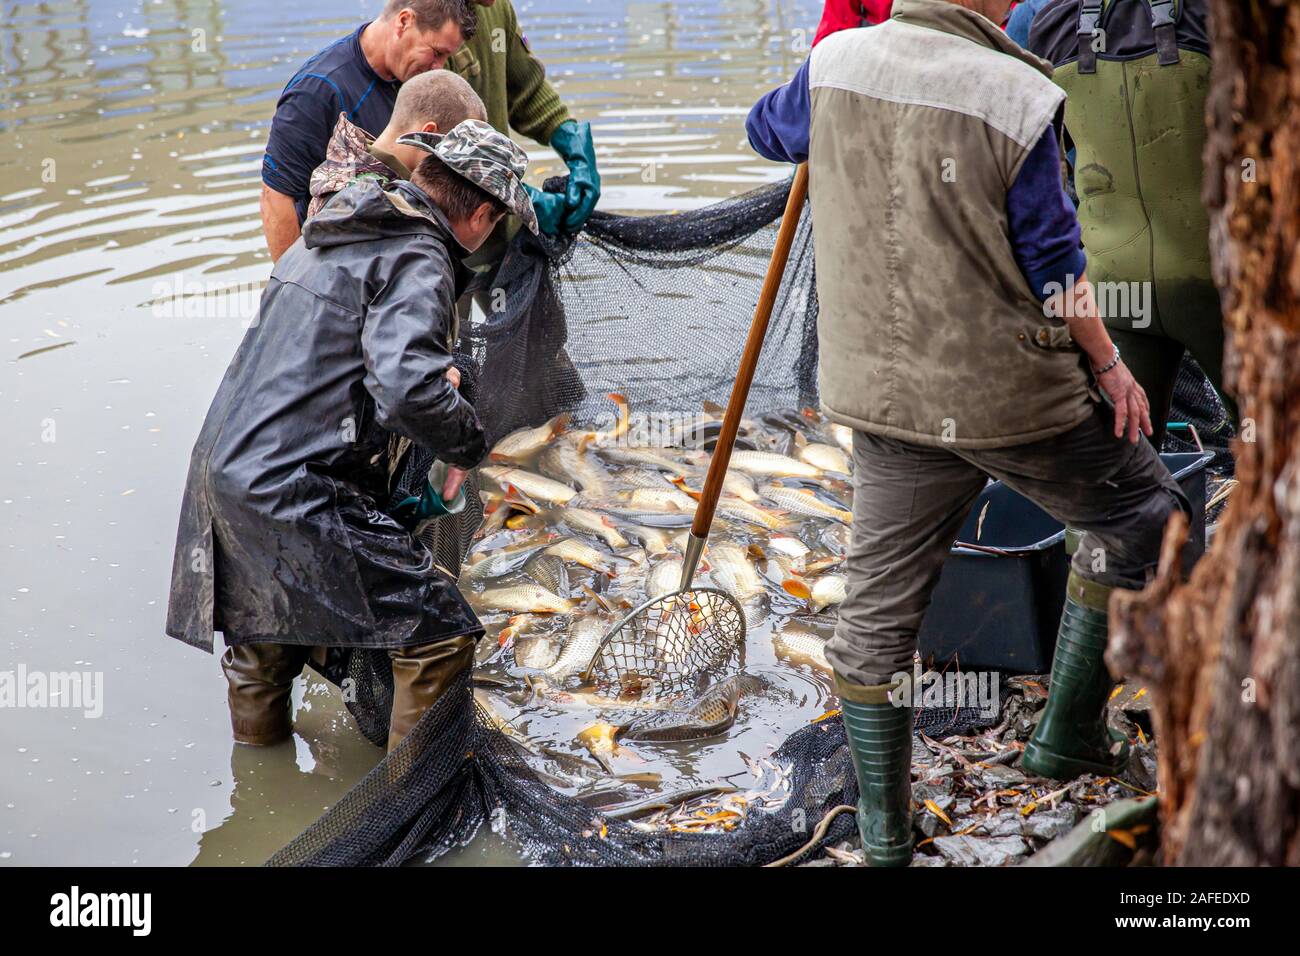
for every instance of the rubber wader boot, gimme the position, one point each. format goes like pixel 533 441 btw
pixel 880 741
pixel 421 675
pixel 1072 737
pixel 260 678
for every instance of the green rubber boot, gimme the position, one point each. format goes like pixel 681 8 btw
pixel 1072 737
pixel 880 740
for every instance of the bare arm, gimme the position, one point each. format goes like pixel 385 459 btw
pixel 1079 309
pixel 279 221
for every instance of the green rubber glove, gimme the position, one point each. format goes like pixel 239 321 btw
pixel 416 511
pixel 549 208
pixel 573 142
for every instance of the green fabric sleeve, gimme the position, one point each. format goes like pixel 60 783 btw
pixel 536 110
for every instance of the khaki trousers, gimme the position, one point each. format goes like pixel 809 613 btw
pixel 910 501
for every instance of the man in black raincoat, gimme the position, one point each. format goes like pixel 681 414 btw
pixel 282 544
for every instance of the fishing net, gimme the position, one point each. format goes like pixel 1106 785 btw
pixel 1198 404
pixel 655 308
pixel 454 773
pixel 669 642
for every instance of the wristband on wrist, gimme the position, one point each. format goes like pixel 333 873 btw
pixel 1114 360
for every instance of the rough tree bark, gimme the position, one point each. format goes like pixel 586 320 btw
pixel 1221 652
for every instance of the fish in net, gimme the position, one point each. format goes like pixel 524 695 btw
pixel 666 645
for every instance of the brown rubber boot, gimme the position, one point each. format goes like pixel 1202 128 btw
pixel 261 680
pixel 421 675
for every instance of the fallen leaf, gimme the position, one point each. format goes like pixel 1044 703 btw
pixel 1125 837
pixel 46 348
pixel 934 808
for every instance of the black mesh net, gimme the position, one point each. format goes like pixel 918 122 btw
pixel 655 308
pixel 455 772
pixel 1196 403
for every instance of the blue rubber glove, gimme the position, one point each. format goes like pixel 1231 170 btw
pixel 549 208
pixel 573 142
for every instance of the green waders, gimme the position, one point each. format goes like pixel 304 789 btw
pixel 880 742
pixel 1138 125
pixel 1072 737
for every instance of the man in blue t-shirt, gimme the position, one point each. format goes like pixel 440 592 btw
pixel 358 76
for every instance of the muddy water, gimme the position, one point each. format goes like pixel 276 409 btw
pixel 130 145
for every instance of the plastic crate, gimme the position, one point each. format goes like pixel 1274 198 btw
pixel 998 604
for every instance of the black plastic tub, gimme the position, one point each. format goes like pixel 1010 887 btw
pixel 998 602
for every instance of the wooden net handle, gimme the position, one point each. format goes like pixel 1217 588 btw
pixel 749 358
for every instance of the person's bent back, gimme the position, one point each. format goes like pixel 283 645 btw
pixel 282 544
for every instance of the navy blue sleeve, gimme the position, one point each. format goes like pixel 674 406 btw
pixel 300 131
pixel 1042 222
pixel 778 123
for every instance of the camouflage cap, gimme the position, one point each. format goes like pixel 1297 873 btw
pixel 484 157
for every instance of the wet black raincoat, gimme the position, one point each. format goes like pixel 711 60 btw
pixel 281 537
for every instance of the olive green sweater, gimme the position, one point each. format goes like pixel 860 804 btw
pixel 512 83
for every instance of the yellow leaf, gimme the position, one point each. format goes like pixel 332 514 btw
pixel 1125 837
pixel 934 808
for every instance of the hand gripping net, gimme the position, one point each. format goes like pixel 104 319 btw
pixel 664 647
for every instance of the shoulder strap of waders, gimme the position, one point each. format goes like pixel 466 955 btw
pixel 1089 23
pixel 1162 20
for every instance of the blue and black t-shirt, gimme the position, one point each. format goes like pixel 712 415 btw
pixel 336 80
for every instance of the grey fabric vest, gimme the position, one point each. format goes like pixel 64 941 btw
pixel 928 331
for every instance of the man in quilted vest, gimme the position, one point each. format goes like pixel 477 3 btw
pixel 959 339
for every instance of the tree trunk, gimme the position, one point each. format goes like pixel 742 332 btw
pixel 1221 652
